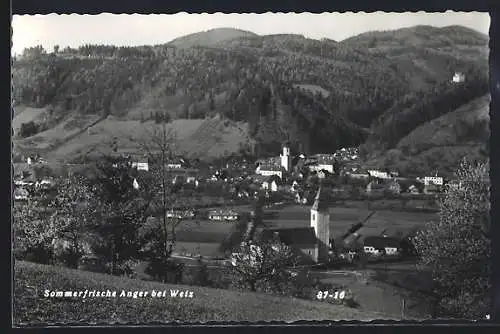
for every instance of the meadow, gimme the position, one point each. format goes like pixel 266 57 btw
pixel 30 307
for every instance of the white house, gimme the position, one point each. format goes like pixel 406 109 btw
pixel 269 170
pixel 220 215
pixel 140 165
pixel 458 77
pixel 435 180
pixel 379 174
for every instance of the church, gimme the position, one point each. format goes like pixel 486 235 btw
pixel 310 244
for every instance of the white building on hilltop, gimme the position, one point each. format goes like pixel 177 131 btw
pixel 458 77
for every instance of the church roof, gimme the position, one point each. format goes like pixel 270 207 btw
pixel 290 236
pixel 320 203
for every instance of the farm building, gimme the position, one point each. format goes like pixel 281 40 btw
pixel 436 180
pixel 383 245
pixel 458 77
pixel 223 215
pixel 140 165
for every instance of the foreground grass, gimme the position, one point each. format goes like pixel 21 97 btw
pixel 30 307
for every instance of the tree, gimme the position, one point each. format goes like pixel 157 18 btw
pixel 123 210
pixel 456 249
pixel 75 212
pixel 28 129
pixel 33 233
pixel 159 146
pixel 263 265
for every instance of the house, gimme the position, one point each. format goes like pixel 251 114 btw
pixel 458 77
pixel 384 245
pixel 311 244
pixel 379 174
pixel 269 170
pixel 175 163
pixel 436 180
pixel 223 215
pixel 140 165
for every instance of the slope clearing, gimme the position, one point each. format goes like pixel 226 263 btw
pixel 210 137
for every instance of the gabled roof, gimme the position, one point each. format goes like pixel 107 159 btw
pixel 382 242
pixel 273 168
pixel 290 236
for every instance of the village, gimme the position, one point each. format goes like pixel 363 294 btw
pixel 320 182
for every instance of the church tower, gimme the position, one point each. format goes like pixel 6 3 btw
pixel 320 221
pixel 286 159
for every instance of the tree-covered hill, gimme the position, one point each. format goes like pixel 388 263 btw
pixel 318 94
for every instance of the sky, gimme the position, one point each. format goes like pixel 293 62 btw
pixel 129 30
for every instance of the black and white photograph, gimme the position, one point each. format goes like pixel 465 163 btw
pixel 224 167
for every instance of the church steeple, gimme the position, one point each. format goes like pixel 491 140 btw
pixel 320 221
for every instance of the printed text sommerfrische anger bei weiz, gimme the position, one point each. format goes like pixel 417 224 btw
pixel 172 293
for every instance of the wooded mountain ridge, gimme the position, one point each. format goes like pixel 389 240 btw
pixel 372 89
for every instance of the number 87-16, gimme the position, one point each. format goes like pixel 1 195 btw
pixel 321 295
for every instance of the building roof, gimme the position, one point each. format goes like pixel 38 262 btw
pixel 320 203
pixel 273 168
pixel 382 242
pixel 291 236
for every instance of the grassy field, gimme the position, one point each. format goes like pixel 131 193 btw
pixel 343 218
pixel 30 307
pixel 198 137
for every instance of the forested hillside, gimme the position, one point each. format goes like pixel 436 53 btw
pixel 318 94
